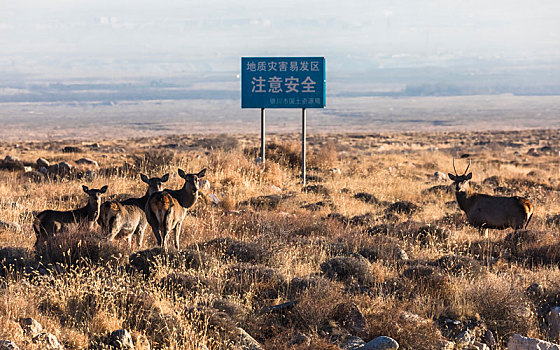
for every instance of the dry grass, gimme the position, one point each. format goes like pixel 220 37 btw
pixel 381 249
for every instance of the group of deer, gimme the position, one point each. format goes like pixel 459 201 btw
pixel 164 210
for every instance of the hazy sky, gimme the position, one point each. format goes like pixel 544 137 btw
pixel 165 37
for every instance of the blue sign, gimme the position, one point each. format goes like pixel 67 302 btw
pixel 283 82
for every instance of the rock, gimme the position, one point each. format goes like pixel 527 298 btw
pixel 247 342
pixel 8 345
pixel 478 346
pixel 519 342
pixel 275 188
pixel 489 338
pixel 48 341
pixel 348 316
pixel 214 199
pixel 553 320
pixel 381 343
pixel 30 326
pixel 121 339
pixel 464 338
pixel 352 343
pixel 300 339
pixel 439 176
pixel 27 169
pixel 87 161
pixel 62 168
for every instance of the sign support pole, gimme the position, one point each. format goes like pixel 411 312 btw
pixel 263 140
pixel 303 137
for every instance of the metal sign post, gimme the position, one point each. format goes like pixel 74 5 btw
pixel 263 141
pixel 283 82
pixel 303 136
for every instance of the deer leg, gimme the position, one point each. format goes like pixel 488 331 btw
pixel 177 235
pixel 140 235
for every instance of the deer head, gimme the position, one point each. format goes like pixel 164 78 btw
pixel 461 182
pixel 155 184
pixel 191 180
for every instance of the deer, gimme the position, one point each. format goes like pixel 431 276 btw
pixel 166 210
pixel 50 222
pixel 490 212
pixel 127 218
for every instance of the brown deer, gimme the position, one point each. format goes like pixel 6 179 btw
pixel 166 210
pixel 127 218
pixel 50 222
pixel 490 212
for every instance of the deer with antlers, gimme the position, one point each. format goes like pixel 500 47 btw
pixel 490 212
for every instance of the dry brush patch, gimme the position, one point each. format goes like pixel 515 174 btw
pixel 380 248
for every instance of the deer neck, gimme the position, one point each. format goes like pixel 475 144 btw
pixel 187 196
pixel 93 208
pixel 90 211
pixel 465 199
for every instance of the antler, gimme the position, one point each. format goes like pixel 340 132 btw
pixel 468 166
pixel 454 166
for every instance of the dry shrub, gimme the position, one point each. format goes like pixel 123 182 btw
pixel 183 284
pixel 351 269
pixel 222 142
pixel 503 306
pixel 15 261
pixel 409 331
pixel 426 280
pixel 254 282
pixel 424 233
pixel 534 247
pixel 460 266
pixel 149 261
pixel 325 157
pixel 286 153
pixel 381 247
pixel 79 245
pixel 154 161
pixel 228 249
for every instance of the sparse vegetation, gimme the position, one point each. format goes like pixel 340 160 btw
pixel 379 249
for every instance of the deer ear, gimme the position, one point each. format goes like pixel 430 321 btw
pixel 144 178
pixel 201 173
pixel 85 188
pixel 469 176
pixel 451 176
pixel 164 178
pixel 103 189
pixel 182 173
